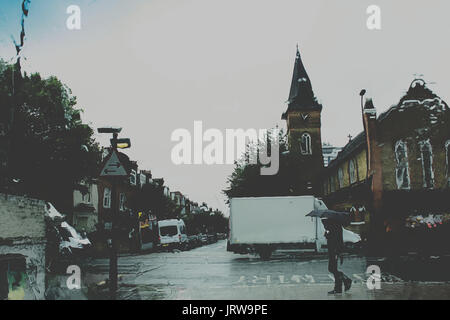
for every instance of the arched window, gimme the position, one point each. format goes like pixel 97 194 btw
pixel 305 144
pixel 427 164
pixel 352 172
pixel 402 170
pixel 122 200
pixel 340 178
pixel 447 160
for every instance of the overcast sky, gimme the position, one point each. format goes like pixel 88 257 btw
pixel 154 66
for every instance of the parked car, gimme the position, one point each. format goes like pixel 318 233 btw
pixel 203 238
pixel 172 234
pixel 212 238
pixel 221 236
pixel 194 241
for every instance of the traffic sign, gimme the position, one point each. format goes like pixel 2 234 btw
pixel 113 167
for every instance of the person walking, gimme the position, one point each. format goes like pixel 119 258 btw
pixel 335 242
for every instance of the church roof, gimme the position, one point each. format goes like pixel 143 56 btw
pixel 353 145
pixel 417 91
pixel 301 95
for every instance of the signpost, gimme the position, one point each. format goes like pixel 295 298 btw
pixel 113 167
pixel 113 170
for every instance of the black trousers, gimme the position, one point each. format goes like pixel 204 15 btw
pixel 333 268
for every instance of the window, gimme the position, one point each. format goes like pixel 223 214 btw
pixel 13 276
pixel 122 199
pixel 427 164
pixel 142 179
pixel 352 171
pixel 447 160
pixel 107 198
pixel 332 185
pixel 305 144
pixel 325 187
pixel 168 231
pixel 341 178
pixel 86 197
pixel 401 171
pixel 133 177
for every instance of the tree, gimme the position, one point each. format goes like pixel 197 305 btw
pixel 50 151
pixel 151 198
pixel 206 222
pixel 247 181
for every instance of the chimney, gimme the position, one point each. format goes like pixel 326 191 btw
pixel 374 163
pixel 370 129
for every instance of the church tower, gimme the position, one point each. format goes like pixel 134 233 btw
pixel 303 129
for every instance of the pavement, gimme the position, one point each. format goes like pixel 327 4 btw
pixel 212 273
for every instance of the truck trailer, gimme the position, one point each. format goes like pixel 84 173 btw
pixel 265 224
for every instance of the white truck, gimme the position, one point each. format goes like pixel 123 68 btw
pixel 269 223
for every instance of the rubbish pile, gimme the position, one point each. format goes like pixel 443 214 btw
pixel 430 221
pixel 61 235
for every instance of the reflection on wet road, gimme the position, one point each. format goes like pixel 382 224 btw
pixel 210 272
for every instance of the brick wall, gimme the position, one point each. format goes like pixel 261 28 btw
pixel 22 232
pixel 412 126
pixel 21 217
pixel 311 165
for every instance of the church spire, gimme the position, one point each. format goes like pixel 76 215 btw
pixel 301 95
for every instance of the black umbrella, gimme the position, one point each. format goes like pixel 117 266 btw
pixel 341 217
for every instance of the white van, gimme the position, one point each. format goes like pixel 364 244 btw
pixel 172 234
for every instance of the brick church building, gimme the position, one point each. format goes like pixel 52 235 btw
pixel 393 177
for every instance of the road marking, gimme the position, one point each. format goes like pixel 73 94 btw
pixel 358 277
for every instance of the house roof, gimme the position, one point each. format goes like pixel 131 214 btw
pixel 159 181
pixel 126 162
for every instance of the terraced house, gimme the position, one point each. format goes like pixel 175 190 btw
pixel 397 169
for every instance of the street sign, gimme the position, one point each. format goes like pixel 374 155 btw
pixel 113 167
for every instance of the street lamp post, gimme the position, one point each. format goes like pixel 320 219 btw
pixel 361 94
pixel 115 144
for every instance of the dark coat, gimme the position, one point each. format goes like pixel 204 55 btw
pixel 334 235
